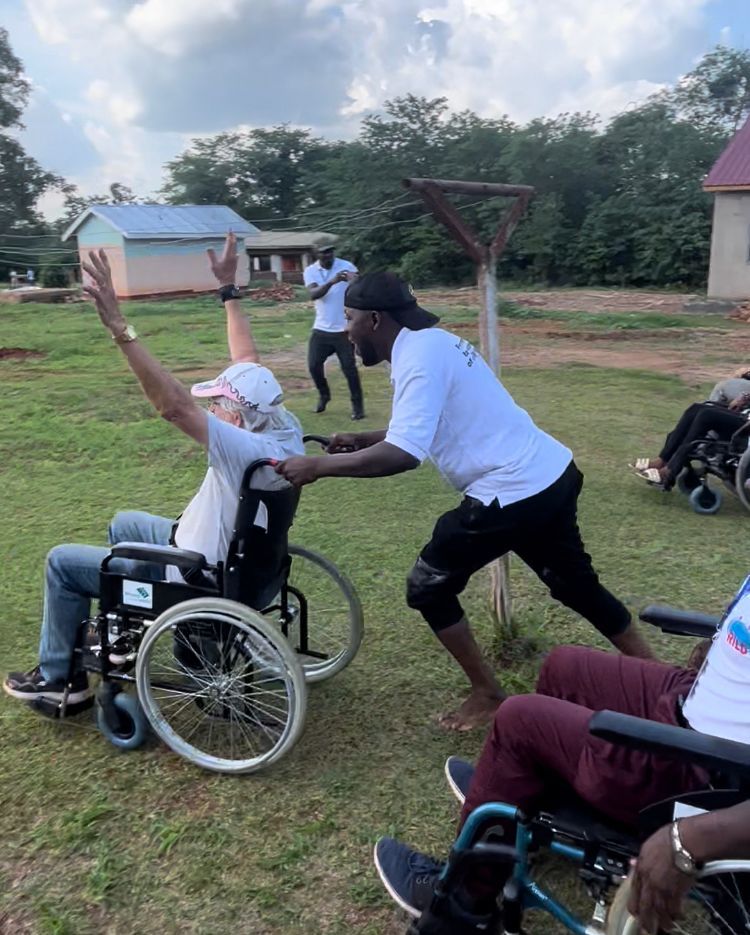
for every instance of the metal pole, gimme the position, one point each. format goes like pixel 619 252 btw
pixel 489 345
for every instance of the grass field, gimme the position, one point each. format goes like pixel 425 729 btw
pixel 101 842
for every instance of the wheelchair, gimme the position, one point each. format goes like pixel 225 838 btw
pixel 727 460
pixel 718 904
pixel 220 660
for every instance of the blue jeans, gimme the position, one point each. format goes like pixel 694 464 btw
pixel 72 579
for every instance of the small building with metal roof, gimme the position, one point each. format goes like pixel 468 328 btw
pixel 158 249
pixel 729 180
pixel 283 255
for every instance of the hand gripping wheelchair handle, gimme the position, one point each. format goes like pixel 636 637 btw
pixel 714 753
pixel 159 554
pixel 680 622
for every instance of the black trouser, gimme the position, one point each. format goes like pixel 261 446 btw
pixel 696 422
pixel 322 345
pixel 542 530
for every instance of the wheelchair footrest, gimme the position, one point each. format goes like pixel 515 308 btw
pixel 50 708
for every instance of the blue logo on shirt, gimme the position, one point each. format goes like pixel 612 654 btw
pixel 738 637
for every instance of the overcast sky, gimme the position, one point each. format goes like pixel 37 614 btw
pixel 120 86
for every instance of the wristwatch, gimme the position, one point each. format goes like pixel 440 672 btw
pixel 683 859
pixel 229 292
pixel 127 335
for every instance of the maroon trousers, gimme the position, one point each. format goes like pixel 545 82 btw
pixel 540 743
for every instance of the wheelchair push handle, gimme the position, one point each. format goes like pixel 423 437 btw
pixel 256 465
pixel 321 440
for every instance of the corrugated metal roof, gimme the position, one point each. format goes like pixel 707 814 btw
pixel 165 222
pixel 286 240
pixel 732 168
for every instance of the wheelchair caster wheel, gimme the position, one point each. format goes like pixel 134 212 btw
pixel 688 481
pixel 120 718
pixel 706 500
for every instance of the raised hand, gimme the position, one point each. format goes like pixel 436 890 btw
pixel 224 267
pixel 102 291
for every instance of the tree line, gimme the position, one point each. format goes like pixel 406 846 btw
pixel 617 202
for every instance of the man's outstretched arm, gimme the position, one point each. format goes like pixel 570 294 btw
pixel 379 460
pixel 240 338
pixel 167 395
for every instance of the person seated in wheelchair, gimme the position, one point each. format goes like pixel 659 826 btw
pixel 540 748
pixel 725 411
pixel 246 421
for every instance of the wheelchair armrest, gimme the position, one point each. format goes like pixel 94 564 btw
pixel 715 753
pixel 681 622
pixel 161 554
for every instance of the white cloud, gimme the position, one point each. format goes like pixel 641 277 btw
pixel 157 71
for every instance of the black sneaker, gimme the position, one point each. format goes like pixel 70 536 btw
pixel 409 877
pixel 459 774
pixel 31 685
pixel 357 414
pixel 322 403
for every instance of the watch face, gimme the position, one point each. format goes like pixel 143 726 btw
pixel 684 863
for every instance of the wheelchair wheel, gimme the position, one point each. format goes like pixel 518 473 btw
pixel 706 500
pixel 220 685
pixel 122 721
pixel 319 606
pixel 742 478
pixel 719 904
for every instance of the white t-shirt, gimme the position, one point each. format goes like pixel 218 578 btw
pixel 450 407
pixel 719 701
pixel 207 522
pixel 329 311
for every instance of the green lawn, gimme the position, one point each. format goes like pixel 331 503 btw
pixel 97 841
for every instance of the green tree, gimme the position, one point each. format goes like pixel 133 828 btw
pixel 715 95
pixel 258 173
pixel 14 87
pixel 22 179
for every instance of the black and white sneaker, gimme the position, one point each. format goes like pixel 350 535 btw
pixel 31 685
pixel 459 774
pixel 409 877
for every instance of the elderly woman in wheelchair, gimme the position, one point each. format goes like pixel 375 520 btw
pixel 606 752
pixel 180 602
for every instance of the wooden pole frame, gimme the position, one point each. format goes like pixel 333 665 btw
pixel 485 256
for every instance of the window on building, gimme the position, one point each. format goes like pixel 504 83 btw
pixel 291 263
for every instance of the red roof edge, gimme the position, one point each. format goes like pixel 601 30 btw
pixel 732 168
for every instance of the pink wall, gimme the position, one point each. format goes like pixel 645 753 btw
pixel 174 273
pixel 116 257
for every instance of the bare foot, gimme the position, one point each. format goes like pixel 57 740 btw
pixel 477 711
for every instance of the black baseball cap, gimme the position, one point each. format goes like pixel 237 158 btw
pixel 387 292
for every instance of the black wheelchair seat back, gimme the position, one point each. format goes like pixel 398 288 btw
pixel 258 557
pixel 708 800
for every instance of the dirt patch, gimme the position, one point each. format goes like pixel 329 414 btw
pixel 583 300
pixel 18 353
pixel 695 355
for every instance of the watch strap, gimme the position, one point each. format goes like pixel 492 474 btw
pixel 683 859
pixel 229 292
pixel 125 336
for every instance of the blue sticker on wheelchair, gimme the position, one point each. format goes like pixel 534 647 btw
pixel 738 636
pixel 138 594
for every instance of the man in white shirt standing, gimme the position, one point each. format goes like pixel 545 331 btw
pixel 520 485
pixel 327 279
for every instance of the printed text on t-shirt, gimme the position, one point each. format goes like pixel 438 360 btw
pixel 467 350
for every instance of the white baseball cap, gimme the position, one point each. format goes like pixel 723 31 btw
pixel 249 384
